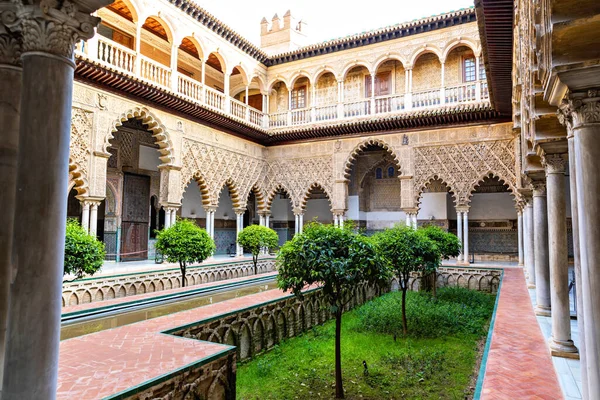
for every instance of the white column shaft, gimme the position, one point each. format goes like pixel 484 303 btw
pixel 466 237
pixel 93 219
pixel 520 237
pixel 85 216
pixel 459 231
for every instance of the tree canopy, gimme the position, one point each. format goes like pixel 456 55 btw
pixel 84 254
pixel 255 238
pixel 337 259
pixel 184 243
pixel 406 250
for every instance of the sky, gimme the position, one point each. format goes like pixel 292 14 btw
pixel 326 19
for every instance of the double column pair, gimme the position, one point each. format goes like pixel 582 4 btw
pixel 338 219
pixel 462 228
pixel 411 218
pixel 89 215
pixel 299 222
pixel 170 216
pixel 36 88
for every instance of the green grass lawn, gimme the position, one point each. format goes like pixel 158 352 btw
pixel 436 361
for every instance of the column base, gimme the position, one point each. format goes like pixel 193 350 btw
pixel 520 265
pixel 530 285
pixel 463 263
pixel 543 311
pixel 563 348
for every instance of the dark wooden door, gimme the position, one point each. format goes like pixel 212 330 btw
pixel 136 217
pixel 255 101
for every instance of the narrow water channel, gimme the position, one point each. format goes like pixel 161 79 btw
pixel 69 331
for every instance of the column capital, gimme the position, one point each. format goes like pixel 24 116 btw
pixel 539 188
pixel 580 108
pixel 210 209
pixel 555 163
pixel 10 35
pixel 55 27
pixel 239 211
pixel 463 209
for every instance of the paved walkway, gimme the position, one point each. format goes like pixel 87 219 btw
pixel 519 365
pixel 100 364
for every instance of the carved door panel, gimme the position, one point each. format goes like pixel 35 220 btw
pixel 136 210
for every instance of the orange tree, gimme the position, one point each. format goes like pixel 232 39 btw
pixel 405 250
pixel 184 243
pixel 338 260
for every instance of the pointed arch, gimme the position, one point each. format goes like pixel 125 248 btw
pixel 259 195
pixel 306 195
pixel 277 189
pixel 491 175
pixel 360 148
pixel 427 182
pixel 77 179
pixel 234 193
pixel 202 186
pixel 153 124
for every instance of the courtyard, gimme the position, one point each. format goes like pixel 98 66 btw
pixel 203 202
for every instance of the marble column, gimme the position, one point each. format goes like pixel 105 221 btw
pixel 581 114
pixel 414 220
pixel 31 360
pixel 167 217
pixel 520 237
pixel 94 218
pixel 529 244
pixel 560 341
pixel 335 220
pixel 173 216
pixel 408 219
pixel 267 220
pixel 459 231
pixel 85 215
pixel 577 263
pixel 540 242
pixel 466 237
pixel 301 223
pixel 10 103
pixel 240 226
pixel 296 225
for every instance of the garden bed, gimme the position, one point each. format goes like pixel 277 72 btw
pixel 437 359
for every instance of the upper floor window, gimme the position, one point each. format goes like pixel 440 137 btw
pixel 383 83
pixel 298 98
pixel 469 69
pixel 391 172
pixel 481 70
pixel 378 173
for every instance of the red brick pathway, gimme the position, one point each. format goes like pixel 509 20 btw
pixel 104 363
pixel 519 365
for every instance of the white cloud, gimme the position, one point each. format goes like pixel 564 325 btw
pixel 326 19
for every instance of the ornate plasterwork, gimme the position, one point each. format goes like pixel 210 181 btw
pixel 462 166
pixel 214 167
pixel 151 123
pixel 80 148
pixel 359 149
pixel 297 176
pixel 554 164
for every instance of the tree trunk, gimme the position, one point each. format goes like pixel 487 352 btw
pixel 434 288
pixel 182 268
pixel 339 388
pixel 255 261
pixel 404 324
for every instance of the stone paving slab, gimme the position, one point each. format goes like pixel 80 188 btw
pixel 519 365
pixel 107 362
